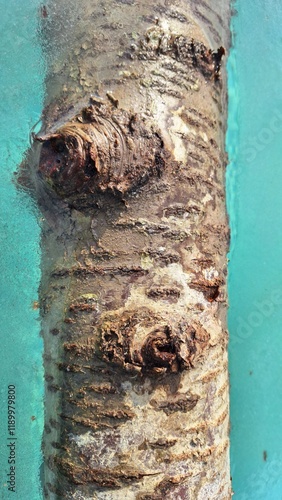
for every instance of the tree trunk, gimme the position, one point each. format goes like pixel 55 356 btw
pixel 128 172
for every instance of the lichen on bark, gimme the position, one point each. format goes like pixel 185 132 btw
pixel 128 171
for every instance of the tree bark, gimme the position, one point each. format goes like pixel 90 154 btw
pixel 128 172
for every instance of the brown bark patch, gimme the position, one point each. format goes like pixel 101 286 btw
pixel 102 149
pixel 145 342
pixel 209 290
pixel 162 443
pixel 166 487
pixel 111 478
pixel 180 402
pixel 157 42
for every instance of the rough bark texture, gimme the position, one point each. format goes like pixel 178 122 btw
pixel 130 183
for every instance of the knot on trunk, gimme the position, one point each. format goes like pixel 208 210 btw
pixel 102 149
pixel 145 342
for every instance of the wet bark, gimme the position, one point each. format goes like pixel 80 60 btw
pixel 128 172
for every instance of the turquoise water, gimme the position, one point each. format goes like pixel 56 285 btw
pixel 254 185
pixel 21 344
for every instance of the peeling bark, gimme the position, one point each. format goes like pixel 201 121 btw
pixel 128 171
